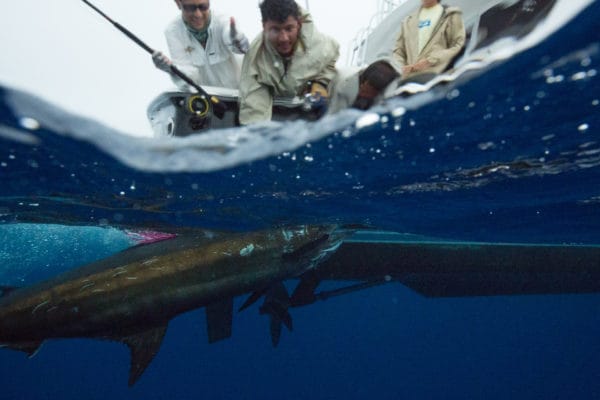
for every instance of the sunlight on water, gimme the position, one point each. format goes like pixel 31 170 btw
pixel 31 251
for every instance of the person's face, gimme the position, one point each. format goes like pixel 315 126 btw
pixel 195 12
pixel 283 35
pixel 428 3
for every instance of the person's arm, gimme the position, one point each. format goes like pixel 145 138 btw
pixel 181 59
pixel 456 41
pixel 399 53
pixel 323 79
pixel 256 104
pixel 236 41
pixel 256 101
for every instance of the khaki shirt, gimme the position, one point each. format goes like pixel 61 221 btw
pixel 264 72
pixel 446 41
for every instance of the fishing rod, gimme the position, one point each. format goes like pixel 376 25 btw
pixel 218 107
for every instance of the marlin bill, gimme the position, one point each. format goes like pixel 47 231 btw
pixel 130 297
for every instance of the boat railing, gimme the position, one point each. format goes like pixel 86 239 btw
pixel 359 45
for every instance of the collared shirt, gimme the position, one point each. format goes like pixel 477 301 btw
pixel 265 74
pixel 216 64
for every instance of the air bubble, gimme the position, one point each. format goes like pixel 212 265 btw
pixel 398 112
pixel 29 123
pixel 367 120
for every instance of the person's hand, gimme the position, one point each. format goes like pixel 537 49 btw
pixel 239 41
pixel 421 65
pixel 232 29
pixel 407 69
pixel 318 90
pixel 161 61
pixel 316 98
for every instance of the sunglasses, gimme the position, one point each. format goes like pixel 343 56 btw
pixel 193 7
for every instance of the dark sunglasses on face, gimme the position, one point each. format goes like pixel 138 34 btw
pixel 193 7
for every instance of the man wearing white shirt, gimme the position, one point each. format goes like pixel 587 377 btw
pixel 203 45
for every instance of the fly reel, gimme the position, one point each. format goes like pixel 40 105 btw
pixel 197 105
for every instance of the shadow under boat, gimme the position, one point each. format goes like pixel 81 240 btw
pixel 439 268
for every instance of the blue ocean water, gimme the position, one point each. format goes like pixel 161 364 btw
pixel 510 155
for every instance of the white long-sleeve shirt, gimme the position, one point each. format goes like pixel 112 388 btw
pixel 218 64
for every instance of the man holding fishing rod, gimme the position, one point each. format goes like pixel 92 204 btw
pixel 204 46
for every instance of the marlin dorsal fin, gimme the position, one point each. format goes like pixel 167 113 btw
pixel 144 347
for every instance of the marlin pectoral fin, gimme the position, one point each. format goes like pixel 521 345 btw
pixel 275 325
pixel 275 329
pixel 286 318
pixel 143 348
pixel 304 294
pixel 277 302
pixel 31 348
pixel 219 318
pixel 252 299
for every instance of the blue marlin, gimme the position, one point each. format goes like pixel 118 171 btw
pixel 130 297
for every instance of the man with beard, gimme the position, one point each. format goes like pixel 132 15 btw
pixel 289 58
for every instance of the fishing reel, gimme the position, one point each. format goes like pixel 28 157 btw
pixel 198 107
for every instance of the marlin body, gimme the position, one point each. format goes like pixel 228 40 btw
pixel 131 297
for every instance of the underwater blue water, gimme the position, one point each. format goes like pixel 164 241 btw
pixel 512 155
